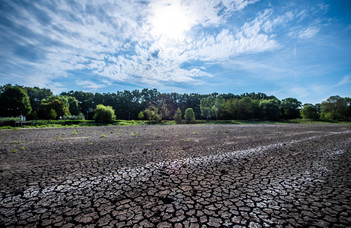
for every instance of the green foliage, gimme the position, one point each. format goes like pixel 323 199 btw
pixel 52 115
pixel 78 105
pixel 33 116
pixel 141 115
pixel 336 108
pixel 290 108
pixel 152 114
pixel 189 115
pixel 269 109
pixel 57 103
pixel 14 101
pixel 206 107
pixel 80 116
pixel 36 95
pixel 104 114
pixel 73 105
pixel 178 116
pixel 211 107
pixel 309 111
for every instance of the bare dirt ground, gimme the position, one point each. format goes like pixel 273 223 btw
pixel 177 176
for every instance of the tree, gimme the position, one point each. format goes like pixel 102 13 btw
pixel 152 113
pixel 58 103
pixel 309 111
pixel 178 116
pixel 248 108
pixel 74 108
pixel 14 101
pixel 211 106
pixel 104 114
pixel 189 115
pixel 290 108
pixel 36 95
pixel 335 107
pixel 141 115
pixel 52 114
pixel 269 109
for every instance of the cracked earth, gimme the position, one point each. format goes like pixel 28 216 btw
pixel 177 176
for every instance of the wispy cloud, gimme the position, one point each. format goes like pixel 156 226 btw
pixel 345 80
pixel 308 33
pixel 159 43
pixel 89 84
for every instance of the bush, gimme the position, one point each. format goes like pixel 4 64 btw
pixel 80 116
pixel 189 115
pixel 104 114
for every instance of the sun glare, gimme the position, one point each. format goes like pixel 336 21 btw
pixel 170 21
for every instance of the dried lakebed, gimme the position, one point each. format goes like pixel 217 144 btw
pixel 177 176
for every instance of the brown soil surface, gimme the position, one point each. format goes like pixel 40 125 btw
pixel 177 176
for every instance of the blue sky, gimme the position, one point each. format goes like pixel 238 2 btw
pixel 283 48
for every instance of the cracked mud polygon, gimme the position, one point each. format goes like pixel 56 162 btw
pixel 177 176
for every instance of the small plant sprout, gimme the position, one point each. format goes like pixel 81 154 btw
pixel 95 160
pixel 13 150
pixel 74 132
pixel 194 133
pixel 23 148
pixel 103 136
pixel 147 144
pixel 59 138
pixel 90 144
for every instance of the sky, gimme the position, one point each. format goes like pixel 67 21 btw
pixel 296 48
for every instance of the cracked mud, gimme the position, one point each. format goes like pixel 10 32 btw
pixel 177 176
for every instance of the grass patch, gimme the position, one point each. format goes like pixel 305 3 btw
pixel 103 136
pixel 91 123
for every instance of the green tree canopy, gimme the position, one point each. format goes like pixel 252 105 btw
pixel 178 115
pixel 309 111
pixel 141 115
pixel 335 107
pixel 290 108
pixel 189 115
pixel 152 113
pixel 57 103
pixel 14 101
pixel 270 109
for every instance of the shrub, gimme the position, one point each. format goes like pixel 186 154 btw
pixel 104 114
pixel 189 115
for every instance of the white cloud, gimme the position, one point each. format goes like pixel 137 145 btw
pixel 122 41
pixel 89 84
pixel 345 80
pixel 308 33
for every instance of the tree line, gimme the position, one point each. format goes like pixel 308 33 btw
pixel 150 104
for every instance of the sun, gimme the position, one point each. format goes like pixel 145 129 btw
pixel 170 21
